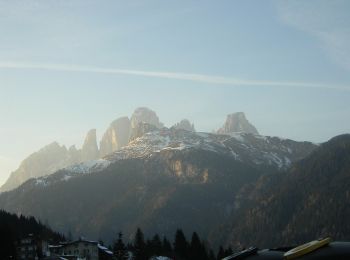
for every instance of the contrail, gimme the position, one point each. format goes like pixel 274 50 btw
pixel 168 75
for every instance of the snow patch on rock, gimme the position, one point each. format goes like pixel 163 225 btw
pixel 89 166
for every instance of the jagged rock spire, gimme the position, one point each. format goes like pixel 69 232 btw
pixel 237 122
pixel 89 150
pixel 185 125
pixel 116 136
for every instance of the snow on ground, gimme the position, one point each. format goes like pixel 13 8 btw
pixel 239 136
pixel 246 147
pixel 242 147
pixel 74 170
pixel 162 140
pixel 41 181
pixel 89 166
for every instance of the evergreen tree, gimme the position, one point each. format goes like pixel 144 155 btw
pixel 195 251
pixel 166 247
pixel 155 246
pixel 13 228
pixel 139 246
pixel 180 245
pixel 119 248
pixel 7 246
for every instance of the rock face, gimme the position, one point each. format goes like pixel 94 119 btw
pixel 119 134
pixel 74 155
pixel 122 130
pixel 116 136
pixel 54 157
pixel 89 150
pixel 141 129
pixel 50 159
pixel 145 115
pixel 237 122
pixel 184 124
pixel 45 161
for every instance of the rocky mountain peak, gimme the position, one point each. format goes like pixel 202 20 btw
pixel 141 129
pixel 73 149
pixel 145 115
pixel 54 146
pixel 237 122
pixel 116 136
pixel 89 150
pixel 45 161
pixel 184 124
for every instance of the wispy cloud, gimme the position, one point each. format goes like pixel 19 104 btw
pixel 327 21
pixel 210 79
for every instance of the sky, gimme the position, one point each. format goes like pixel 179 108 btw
pixel 69 66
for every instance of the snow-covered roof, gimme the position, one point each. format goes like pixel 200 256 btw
pixel 105 249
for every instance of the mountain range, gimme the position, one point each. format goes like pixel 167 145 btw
pixel 120 132
pixel 146 175
pixel 54 156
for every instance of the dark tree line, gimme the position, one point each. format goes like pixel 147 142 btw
pixel 180 249
pixel 12 228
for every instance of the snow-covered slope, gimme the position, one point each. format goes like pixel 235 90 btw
pixel 72 171
pixel 259 151
pixel 89 166
pixel 250 148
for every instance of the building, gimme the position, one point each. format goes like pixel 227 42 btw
pixel 81 249
pixel 32 248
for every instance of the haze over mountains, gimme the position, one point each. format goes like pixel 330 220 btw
pixel 146 175
pixel 53 156
pixel 122 130
pixel 233 187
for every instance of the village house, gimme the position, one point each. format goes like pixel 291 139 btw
pixel 81 249
pixel 32 248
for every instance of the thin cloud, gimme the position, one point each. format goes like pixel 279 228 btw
pixel 210 79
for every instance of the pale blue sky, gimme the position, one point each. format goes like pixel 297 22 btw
pixel 68 66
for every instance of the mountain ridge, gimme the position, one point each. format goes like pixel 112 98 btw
pixel 120 132
pixel 310 200
pixel 161 181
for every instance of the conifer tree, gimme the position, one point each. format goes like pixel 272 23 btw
pixel 155 246
pixel 180 245
pixel 139 246
pixel 119 248
pixel 7 246
pixel 166 247
pixel 195 251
